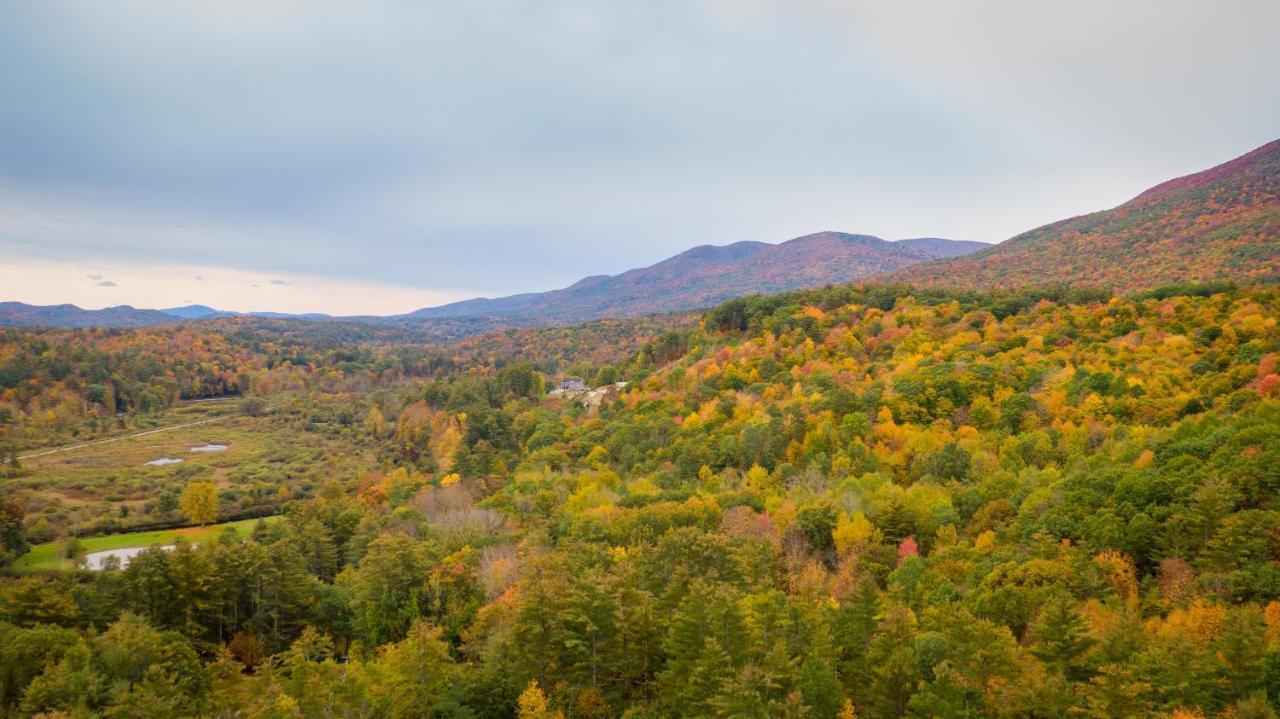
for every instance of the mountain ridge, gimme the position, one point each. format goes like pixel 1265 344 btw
pixel 1222 223
pixel 705 275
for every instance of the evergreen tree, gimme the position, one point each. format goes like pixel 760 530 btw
pixel 1061 638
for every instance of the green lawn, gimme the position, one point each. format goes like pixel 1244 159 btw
pixel 48 556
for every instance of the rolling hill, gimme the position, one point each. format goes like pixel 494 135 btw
pixel 1219 224
pixel 20 314
pixel 707 275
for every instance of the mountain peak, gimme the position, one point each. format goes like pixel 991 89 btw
pixel 835 236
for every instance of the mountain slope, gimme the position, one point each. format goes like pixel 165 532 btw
pixel 706 275
pixel 1222 223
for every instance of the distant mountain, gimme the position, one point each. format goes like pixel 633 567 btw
pixel 196 312
pixel 695 279
pixel 290 316
pixel 939 247
pixel 203 312
pixel 707 275
pixel 1222 223
pixel 18 314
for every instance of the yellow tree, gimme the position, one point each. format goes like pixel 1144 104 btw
pixel 533 704
pixel 199 502
pixel 374 423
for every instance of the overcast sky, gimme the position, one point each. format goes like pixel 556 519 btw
pixel 378 157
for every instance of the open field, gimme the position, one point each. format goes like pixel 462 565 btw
pixel 73 447
pixel 48 556
pixel 106 487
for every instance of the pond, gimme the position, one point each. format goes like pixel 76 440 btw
pixel 163 461
pixel 210 448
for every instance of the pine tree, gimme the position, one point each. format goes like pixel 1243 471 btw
pixel 1061 638
pixel 894 521
pixel 892 658
pixel 856 625
pixel 709 671
pixel 702 640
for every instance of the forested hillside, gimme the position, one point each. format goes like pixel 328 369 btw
pixel 860 501
pixel 1220 224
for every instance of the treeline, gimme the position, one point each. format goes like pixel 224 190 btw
pixel 753 312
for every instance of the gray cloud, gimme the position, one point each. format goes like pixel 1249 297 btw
pixel 105 283
pixel 510 146
pixel 278 282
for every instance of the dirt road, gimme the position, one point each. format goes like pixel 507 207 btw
pixel 82 445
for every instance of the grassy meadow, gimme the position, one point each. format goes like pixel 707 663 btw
pixel 107 487
pixel 48 556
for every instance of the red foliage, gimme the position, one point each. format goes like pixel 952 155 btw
pixel 907 548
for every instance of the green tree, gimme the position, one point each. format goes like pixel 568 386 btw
pixel 13 534
pixel 1061 638
pixel 414 674
pixel 253 406
pixel 1113 693
pixel 388 589
pixel 855 628
pixel 38 600
pixel 73 549
pixel 892 659
pixel 24 654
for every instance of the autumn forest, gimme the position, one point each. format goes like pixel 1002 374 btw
pixel 862 501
